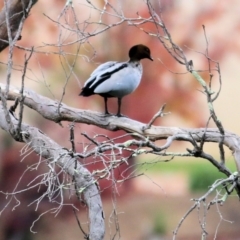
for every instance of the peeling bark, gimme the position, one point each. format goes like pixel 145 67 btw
pixel 18 10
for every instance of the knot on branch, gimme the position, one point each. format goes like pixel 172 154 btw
pixel 196 152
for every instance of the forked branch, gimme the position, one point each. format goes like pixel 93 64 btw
pixel 84 182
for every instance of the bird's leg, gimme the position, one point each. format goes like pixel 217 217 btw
pixel 106 109
pixel 119 107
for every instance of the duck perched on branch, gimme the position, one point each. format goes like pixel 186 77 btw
pixel 117 79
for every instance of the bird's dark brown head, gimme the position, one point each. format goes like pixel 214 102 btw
pixel 139 52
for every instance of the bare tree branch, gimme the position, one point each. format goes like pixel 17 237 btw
pixel 48 149
pixel 143 136
pixel 49 109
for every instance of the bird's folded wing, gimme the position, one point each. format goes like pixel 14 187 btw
pixel 102 73
pixel 103 67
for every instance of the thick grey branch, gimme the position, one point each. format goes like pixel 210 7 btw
pixel 47 148
pixel 50 109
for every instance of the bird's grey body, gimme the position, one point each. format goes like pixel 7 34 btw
pixel 119 84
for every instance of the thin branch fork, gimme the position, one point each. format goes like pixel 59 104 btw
pixel 230 180
pixel 160 113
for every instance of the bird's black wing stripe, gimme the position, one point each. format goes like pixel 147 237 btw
pixel 107 75
pixel 88 91
pixel 90 83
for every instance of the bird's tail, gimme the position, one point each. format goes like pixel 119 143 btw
pixel 86 92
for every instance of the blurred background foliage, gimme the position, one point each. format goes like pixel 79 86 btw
pixel 49 30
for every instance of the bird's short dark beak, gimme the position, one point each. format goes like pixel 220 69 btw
pixel 150 58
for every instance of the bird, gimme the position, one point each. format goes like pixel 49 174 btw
pixel 117 79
